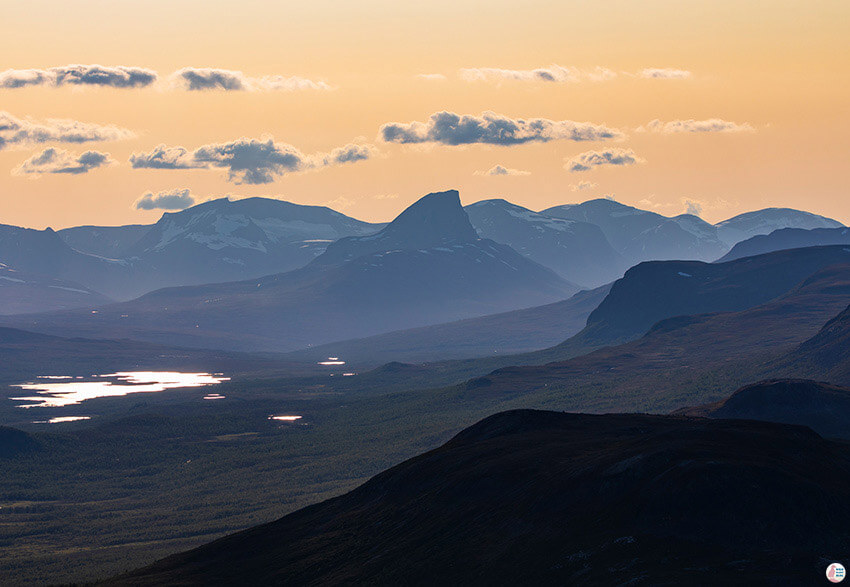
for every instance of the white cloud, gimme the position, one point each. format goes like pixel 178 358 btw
pixel 497 170
pixel 118 76
pixel 664 73
pixel 583 185
pixel 60 161
pixel 206 78
pixel 448 128
pixel 709 125
pixel 590 159
pixel 249 161
pixel 22 132
pixel 176 199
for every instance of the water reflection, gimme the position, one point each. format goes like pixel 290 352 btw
pixel 66 393
pixel 285 418
pixel 60 419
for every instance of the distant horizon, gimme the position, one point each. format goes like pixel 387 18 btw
pixel 233 198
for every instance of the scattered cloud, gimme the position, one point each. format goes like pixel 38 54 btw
pixel 564 74
pixel 59 161
pixel 385 196
pixel 710 125
pixel 249 161
pixel 22 132
pixel 205 78
pixel 664 73
pixel 692 207
pixel 164 157
pixel 686 205
pixel 176 199
pixel 553 73
pixel 583 185
pixel 590 159
pixel 79 75
pixel 448 128
pixel 340 203
pixel 432 77
pixel 502 170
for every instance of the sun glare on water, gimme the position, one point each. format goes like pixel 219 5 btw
pixel 66 393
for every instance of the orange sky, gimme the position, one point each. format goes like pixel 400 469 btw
pixel 781 67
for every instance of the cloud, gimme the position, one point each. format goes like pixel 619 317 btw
pixel 563 74
pixel 79 75
pixel 553 73
pixel 692 207
pixel 385 196
pixel 200 78
pixel 340 203
pixel 176 199
pixel 59 161
pixel 23 131
pixel 590 159
pixel 448 128
pixel 664 73
pixel 710 125
pixel 432 77
pixel 583 185
pixel 164 157
pixel 249 161
pixel 502 170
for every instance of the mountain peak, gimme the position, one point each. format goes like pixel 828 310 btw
pixel 437 217
pixel 434 220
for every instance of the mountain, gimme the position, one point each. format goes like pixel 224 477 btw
pixel 639 235
pixel 426 267
pixel 577 251
pixel 825 355
pixel 22 292
pixel 788 238
pixel 546 498
pixel 44 253
pixel 497 334
pixel 103 241
pixel 750 224
pixel 684 357
pixel 223 240
pixel 822 407
pixel 656 290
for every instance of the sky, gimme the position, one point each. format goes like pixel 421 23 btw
pixel 113 112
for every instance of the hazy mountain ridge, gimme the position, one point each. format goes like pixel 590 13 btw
pixel 767 220
pixel 788 238
pixel 578 251
pixel 360 286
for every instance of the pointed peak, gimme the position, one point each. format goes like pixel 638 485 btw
pixel 436 217
pixel 434 220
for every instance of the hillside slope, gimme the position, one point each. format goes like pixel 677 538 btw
pixel 546 498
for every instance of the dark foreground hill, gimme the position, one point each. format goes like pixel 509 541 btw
pixel 822 407
pixel 531 497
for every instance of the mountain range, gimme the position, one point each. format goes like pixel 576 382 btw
pixel 587 244
pixel 427 266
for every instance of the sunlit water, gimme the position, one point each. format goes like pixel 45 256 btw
pixel 332 361
pixel 60 391
pixel 285 418
pixel 60 419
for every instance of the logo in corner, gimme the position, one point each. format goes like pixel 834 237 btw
pixel 835 573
